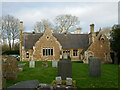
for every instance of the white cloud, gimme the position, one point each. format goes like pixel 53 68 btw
pixel 60 0
pixel 101 14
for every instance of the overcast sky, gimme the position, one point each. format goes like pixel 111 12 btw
pixel 102 14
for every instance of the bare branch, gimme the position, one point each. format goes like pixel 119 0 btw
pixel 67 21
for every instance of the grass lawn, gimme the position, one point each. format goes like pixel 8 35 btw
pixel 108 79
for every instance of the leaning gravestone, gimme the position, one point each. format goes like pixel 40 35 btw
pixel 11 67
pixel 32 64
pixel 54 63
pixel 65 69
pixel 94 67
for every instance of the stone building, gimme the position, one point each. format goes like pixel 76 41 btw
pixel 52 46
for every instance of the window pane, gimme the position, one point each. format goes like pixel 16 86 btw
pixel 46 52
pixel 43 52
pixel 75 52
pixel 51 52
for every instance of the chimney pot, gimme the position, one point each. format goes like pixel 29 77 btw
pixel 21 21
pixel 92 28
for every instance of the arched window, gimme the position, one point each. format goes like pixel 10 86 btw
pixel 90 54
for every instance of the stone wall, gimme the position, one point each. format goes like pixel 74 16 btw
pixel 101 48
pixel 47 41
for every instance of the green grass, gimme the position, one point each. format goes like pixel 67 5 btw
pixel 108 79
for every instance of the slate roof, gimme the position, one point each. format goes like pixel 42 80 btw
pixel 30 39
pixel 73 41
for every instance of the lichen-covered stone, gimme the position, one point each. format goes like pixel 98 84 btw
pixel 10 68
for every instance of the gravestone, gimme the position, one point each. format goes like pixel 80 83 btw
pixel 32 64
pixel 29 85
pixel 54 63
pixel 69 81
pixel 58 80
pixel 11 67
pixel 65 69
pixel 94 66
pixel 44 64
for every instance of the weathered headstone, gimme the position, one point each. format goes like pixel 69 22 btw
pixel 32 64
pixel 58 80
pixel 94 67
pixel 69 81
pixel 65 69
pixel 11 68
pixel 54 63
pixel 44 64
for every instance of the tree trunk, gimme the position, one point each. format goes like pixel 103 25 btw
pixel 13 44
pixel 9 44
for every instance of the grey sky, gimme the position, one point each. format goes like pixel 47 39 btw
pixel 102 14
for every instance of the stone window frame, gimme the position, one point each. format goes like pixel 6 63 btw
pixel 67 51
pixel 88 53
pixel 75 52
pixel 47 52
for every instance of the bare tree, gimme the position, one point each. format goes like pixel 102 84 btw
pixel 10 29
pixel 42 25
pixel 67 21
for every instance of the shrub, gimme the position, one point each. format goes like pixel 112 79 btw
pixel 11 52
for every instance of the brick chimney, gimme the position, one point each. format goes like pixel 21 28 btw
pixel 78 30
pixel 91 34
pixel 21 39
